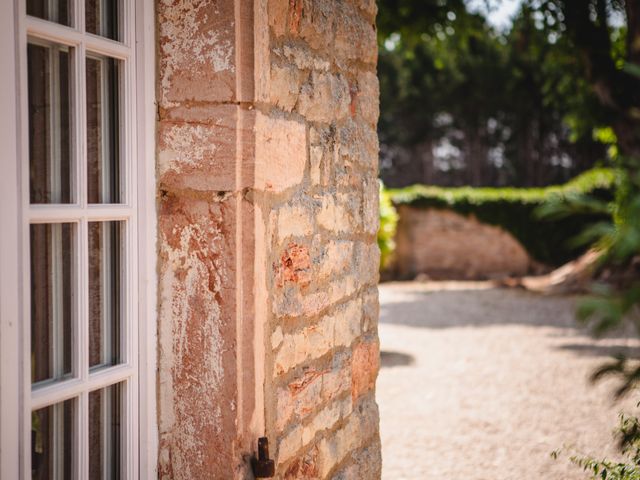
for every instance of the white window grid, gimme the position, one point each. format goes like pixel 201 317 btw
pixel 82 381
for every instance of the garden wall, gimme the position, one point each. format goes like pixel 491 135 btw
pixel 446 245
pixel 492 232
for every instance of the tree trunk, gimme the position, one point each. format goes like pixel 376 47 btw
pixel 618 90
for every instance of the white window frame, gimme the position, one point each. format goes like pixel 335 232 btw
pixel 16 397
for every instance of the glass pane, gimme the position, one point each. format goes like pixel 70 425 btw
pixel 105 433
pixel 49 72
pixel 52 298
pixel 101 18
pixel 104 293
pixel 103 130
pixel 52 444
pixel 53 10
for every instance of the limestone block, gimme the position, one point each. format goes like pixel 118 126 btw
pixel 315 22
pixel 368 105
pixel 294 220
pixel 364 367
pixel 364 463
pixel 362 424
pixel 284 86
pixel 333 258
pixel 334 213
pixel 294 266
pixel 355 36
pixel 280 153
pixel 324 98
pixel 339 328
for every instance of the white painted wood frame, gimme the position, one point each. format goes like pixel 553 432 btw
pixel 137 113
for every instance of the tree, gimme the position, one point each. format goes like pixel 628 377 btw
pixel 498 107
pixel 608 67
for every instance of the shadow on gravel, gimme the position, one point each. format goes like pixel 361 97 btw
pixel 602 350
pixel 418 307
pixel 455 305
pixel 395 359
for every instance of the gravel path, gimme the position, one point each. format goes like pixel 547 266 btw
pixel 481 383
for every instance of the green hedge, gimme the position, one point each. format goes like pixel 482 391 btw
pixel 548 238
pixel 387 230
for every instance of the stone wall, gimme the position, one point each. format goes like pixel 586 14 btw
pixel 268 209
pixel 446 245
pixel 323 258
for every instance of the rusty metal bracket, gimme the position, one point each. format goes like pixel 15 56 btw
pixel 263 466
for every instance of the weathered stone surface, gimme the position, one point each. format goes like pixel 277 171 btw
pixel 370 310
pixel 280 153
pixel 200 156
pixel 267 165
pixel 278 12
pixel 290 444
pixel 364 367
pixel 326 419
pixel 355 36
pixel 333 258
pixel 371 206
pixel 294 220
pixel 316 154
pixel 293 302
pixel 357 144
pixel 367 255
pixel 321 153
pixel 294 266
pixel 305 467
pixel 361 426
pixel 304 58
pixel 369 6
pixel 195 331
pixel 339 328
pixel 367 99
pixel 313 389
pixel 285 86
pixel 335 212
pixel 445 244
pixel 316 22
pixel 364 464
pixel 324 98
pixel 196 51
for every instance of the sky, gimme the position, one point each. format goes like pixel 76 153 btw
pixel 501 11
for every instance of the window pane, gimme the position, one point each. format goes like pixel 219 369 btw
pixel 101 18
pixel 52 444
pixel 104 293
pixel 53 10
pixel 105 433
pixel 49 72
pixel 103 130
pixel 52 297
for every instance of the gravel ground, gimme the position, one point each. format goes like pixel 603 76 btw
pixel 483 383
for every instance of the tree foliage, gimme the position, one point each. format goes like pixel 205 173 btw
pixel 464 103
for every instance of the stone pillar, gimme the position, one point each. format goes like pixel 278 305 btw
pixel 267 193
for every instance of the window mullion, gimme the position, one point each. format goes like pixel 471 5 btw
pixel 25 330
pixel 78 10
pixel 83 345
pixel 83 435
